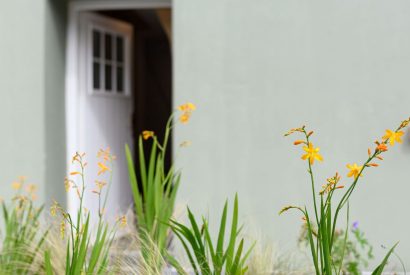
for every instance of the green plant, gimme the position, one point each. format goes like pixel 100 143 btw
pixel 154 199
pixel 204 256
pixel 22 235
pixel 354 254
pixel 85 252
pixel 325 212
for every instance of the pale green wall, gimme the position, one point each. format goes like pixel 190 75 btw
pixel 258 68
pixel 32 92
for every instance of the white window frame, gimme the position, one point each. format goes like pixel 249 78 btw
pixel 116 28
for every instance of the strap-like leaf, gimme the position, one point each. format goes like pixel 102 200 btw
pixel 379 269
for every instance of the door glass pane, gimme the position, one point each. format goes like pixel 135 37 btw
pixel 108 77
pixel 96 75
pixel 120 79
pixel 108 46
pixel 96 43
pixel 120 49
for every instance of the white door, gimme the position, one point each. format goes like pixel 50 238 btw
pixel 104 107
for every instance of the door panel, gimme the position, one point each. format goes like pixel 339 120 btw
pixel 105 113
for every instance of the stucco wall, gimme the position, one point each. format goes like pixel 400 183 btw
pixel 258 68
pixel 32 92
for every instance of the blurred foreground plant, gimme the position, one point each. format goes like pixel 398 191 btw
pixel 154 199
pixel 206 256
pixel 22 236
pixel 322 243
pixel 87 252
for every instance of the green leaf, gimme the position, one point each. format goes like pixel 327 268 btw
pixel 143 170
pixel 48 266
pixel 221 235
pixel 312 245
pixel 100 242
pixel 234 229
pixel 235 265
pixel 83 248
pixel 324 237
pixel 379 269
pixel 134 187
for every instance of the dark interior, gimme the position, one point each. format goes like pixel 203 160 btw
pixel 152 73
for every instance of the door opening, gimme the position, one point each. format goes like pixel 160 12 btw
pixel 119 83
pixel 152 70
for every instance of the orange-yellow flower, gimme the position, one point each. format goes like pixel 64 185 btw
pixel 31 188
pixel 16 185
pixel 105 154
pixel 187 107
pixel 404 123
pixel 67 184
pixel 187 110
pixel 312 153
pixel 62 229
pixel 54 208
pixel 75 173
pixel 123 221
pixel 184 118
pixel 293 130
pixel 354 170
pixel 147 134
pixel 100 184
pixel 393 136
pixel 103 168
pixel 382 147
pixel 297 142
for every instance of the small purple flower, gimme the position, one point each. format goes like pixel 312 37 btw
pixel 355 225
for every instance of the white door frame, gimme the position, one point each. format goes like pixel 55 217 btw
pixel 73 51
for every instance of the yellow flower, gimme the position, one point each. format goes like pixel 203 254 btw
pixel 184 118
pixel 147 134
pixel 404 123
pixel 21 200
pixel 77 157
pixel 100 184
pixel 293 130
pixel 393 136
pixel 67 184
pixel 187 107
pixel 54 208
pixel 103 168
pixel 312 153
pixel 187 110
pixel 185 143
pixel 16 185
pixel 123 221
pixel 331 184
pixel 62 229
pixel 354 170
pixel 31 188
pixel 75 173
pixel 297 142
pixel 382 147
pixel 104 154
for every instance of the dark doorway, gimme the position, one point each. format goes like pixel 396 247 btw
pixel 152 71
